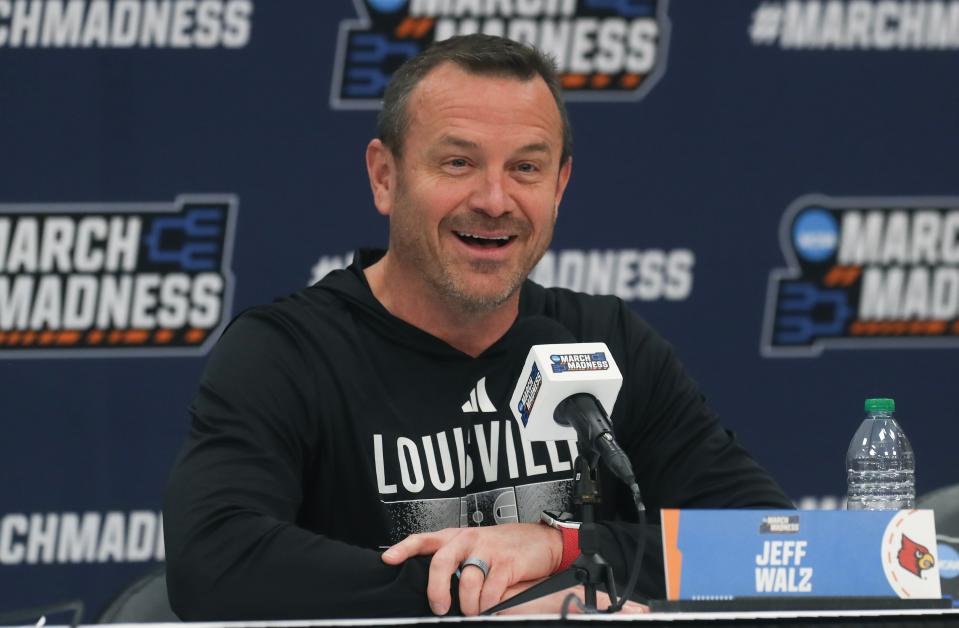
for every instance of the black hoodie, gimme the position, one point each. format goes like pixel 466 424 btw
pixel 325 429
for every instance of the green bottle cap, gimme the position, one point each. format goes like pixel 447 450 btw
pixel 880 405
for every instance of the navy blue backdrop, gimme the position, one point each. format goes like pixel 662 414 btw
pixel 771 183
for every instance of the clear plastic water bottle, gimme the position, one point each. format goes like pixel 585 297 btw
pixel 880 464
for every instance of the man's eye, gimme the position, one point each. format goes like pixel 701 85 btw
pixel 526 167
pixel 457 163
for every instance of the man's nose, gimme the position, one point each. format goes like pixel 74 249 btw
pixel 491 197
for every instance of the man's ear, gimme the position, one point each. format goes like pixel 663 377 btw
pixel 381 168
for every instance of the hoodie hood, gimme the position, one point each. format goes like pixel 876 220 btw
pixel 350 286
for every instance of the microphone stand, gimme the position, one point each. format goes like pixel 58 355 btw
pixel 589 569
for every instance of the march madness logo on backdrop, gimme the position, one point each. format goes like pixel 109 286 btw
pixel 126 24
pixel 605 49
pixel 133 279
pixel 831 25
pixel 864 273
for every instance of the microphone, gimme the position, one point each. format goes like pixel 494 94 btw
pixel 587 416
pixel 567 390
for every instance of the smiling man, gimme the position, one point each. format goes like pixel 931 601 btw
pixel 472 188
pixel 370 411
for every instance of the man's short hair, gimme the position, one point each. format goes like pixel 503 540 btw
pixel 476 54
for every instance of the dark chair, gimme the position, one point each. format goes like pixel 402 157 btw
pixel 144 601
pixel 945 503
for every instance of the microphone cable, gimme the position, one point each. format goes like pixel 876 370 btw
pixel 640 550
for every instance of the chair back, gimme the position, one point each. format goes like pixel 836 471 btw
pixel 143 601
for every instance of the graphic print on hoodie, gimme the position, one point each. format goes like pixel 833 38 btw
pixel 479 473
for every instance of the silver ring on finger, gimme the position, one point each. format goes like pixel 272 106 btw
pixel 481 564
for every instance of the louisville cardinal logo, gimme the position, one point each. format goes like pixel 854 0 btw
pixel 914 557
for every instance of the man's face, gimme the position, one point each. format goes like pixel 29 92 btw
pixel 475 193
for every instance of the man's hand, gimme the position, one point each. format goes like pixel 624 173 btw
pixel 515 553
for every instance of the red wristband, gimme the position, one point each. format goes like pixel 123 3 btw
pixel 570 547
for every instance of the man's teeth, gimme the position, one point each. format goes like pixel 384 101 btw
pixel 503 238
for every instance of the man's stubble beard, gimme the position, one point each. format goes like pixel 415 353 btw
pixel 411 246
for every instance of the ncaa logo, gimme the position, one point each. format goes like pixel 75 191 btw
pixel 605 50
pixel 387 6
pixel 815 234
pixel 948 561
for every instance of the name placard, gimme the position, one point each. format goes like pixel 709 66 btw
pixel 728 554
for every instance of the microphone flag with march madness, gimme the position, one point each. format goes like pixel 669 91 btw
pixel 553 373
